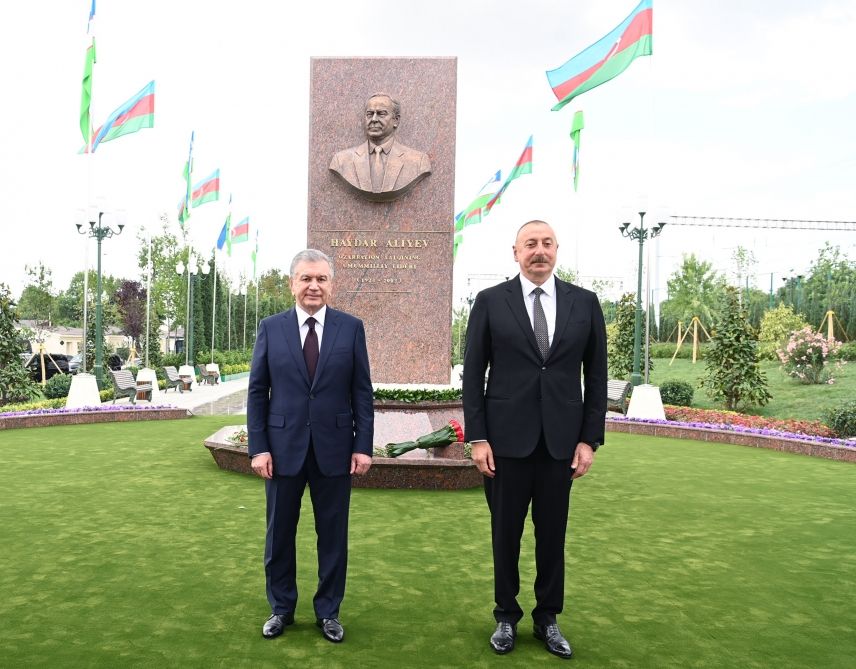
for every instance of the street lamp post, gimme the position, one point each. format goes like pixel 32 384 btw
pixel 99 232
pixel 641 234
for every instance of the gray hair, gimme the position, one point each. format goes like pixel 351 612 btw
pixel 310 255
pixel 396 107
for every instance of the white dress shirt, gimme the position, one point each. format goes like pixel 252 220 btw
pixel 548 302
pixel 319 324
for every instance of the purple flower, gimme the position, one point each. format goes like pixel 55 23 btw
pixel 766 432
pixel 100 407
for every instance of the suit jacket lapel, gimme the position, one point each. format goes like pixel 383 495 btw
pixel 394 163
pixel 291 335
pixel 331 330
pixel 361 165
pixel 564 302
pixel 518 310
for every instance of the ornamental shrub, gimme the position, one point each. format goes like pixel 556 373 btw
pixel 805 357
pixel 732 374
pixel 677 393
pixel 846 352
pixel 57 386
pixel 842 419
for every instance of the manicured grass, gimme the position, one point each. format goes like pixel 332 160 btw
pixel 124 546
pixel 790 399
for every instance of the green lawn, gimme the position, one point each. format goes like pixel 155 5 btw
pixel 790 399
pixel 124 546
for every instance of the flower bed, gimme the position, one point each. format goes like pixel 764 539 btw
pixel 742 435
pixel 85 415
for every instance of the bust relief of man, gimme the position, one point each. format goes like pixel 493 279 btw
pixel 381 168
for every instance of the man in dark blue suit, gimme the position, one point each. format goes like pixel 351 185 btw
pixel 310 420
pixel 532 429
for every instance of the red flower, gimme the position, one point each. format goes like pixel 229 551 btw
pixel 448 434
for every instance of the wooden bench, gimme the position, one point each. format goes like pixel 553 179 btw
pixel 125 385
pixel 212 378
pixel 173 380
pixel 617 392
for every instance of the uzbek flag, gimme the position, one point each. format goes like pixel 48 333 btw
pixel 576 129
pixel 136 114
pixel 225 236
pixel 207 190
pixel 521 167
pixel 254 254
pixel 86 93
pixel 241 232
pixel 187 175
pixel 606 58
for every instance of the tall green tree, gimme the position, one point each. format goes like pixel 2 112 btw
pixel 694 290
pixel 732 373
pixel 621 342
pixel 37 299
pixel 15 382
pixel 829 286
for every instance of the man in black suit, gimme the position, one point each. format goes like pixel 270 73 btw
pixel 310 420
pixel 533 429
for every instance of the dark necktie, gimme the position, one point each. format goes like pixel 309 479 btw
pixel 540 319
pixel 310 349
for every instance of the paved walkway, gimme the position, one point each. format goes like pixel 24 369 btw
pixel 225 398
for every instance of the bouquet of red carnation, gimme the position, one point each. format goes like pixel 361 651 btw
pixel 448 434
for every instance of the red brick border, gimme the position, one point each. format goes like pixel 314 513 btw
pixel 812 448
pixel 88 417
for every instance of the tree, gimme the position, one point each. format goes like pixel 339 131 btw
pixel 37 299
pixel 15 381
pixel 460 317
pixel 621 341
pixel 694 290
pixel 733 375
pixel 566 274
pixel 131 304
pixel 831 285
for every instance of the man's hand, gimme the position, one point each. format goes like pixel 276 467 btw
pixel 583 459
pixel 483 457
pixel 263 465
pixel 360 463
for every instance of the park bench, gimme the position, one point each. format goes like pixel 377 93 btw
pixel 212 377
pixel 173 380
pixel 124 384
pixel 617 392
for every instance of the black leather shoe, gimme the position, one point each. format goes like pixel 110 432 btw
pixel 502 640
pixel 277 622
pixel 331 629
pixel 553 640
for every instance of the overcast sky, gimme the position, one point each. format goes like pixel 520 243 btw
pixel 745 109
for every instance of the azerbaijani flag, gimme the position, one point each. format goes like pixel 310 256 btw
pixel 606 58
pixel 241 232
pixel 207 190
pixel 136 114
pixel 521 167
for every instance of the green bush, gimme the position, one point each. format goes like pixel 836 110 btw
pixel 57 386
pixel 847 352
pixel 842 419
pixel 173 359
pixel 420 395
pixel 666 349
pixel 678 393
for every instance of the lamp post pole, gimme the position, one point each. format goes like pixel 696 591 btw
pixel 99 232
pixel 640 234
